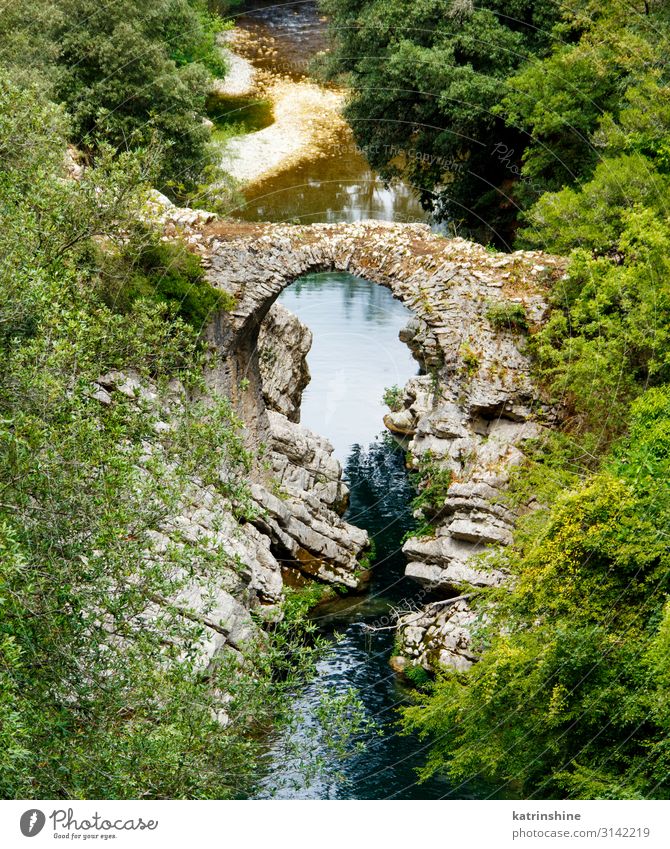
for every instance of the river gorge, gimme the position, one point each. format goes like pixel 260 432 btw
pixel 334 410
pixel 462 407
pixel 467 407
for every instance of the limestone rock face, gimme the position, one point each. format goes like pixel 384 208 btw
pixel 445 563
pixel 468 420
pixel 303 462
pixel 303 517
pixel 248 576
pixel 439 635
pixel 468 414
pixel 283 344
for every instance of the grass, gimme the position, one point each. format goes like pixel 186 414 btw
pixel 234 116
pixel 508 315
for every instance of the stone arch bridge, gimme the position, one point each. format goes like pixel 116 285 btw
pixel 467 414
pixel 452 286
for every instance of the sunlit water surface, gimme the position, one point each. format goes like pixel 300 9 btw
pixel 355 355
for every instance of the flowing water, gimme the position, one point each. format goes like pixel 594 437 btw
pixel 356 354
pixel 339 186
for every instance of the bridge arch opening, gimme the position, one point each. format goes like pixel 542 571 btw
pixel 356 357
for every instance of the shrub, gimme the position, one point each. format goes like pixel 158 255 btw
pixel 393 398
pixel 507 315
pixel 165 273
pixel 570 696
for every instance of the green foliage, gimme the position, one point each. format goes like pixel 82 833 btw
pixel 507 315
pixel 417 675
pixel 426 78
pixel 299 601
pixel 469 358
pixel 166 273
pixel 564 100
pixel 190 31
pixel 484 107
pixel 26 46
pixel 594 215
pixel 131 74
pixel 570 697
pixel 121 85
pixel 368 558
pixel 392 397
pixel 344 723
pixel 433 482
pixel 608 335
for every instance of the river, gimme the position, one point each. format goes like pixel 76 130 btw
pixel 356 354
pixel 338 186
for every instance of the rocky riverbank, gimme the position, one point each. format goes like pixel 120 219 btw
pixel 307 118
pixel 467 415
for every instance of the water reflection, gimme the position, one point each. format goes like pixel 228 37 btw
pixel 337 187
pixel 355 356
pixel 387 767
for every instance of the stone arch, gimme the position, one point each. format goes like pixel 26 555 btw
pixel 473 408
pixel 449 285
pixel 255 263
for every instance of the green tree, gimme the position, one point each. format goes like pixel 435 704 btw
pixel 426 78
pixel 130 74
pixel 102 689
pixel 601 53
pixel 120 84
pixel 569 698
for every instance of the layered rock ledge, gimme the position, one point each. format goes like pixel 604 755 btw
pixel 466 416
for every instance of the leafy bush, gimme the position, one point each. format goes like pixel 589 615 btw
pixel 594 215
pixel 608 335
pixel 570 697
pixel 393 398
pixel 167 273
pixel 433 482
pixel 507 315
pixel 131 74
pixel 417 675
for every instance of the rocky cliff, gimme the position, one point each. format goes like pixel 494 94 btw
pixel 466 416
